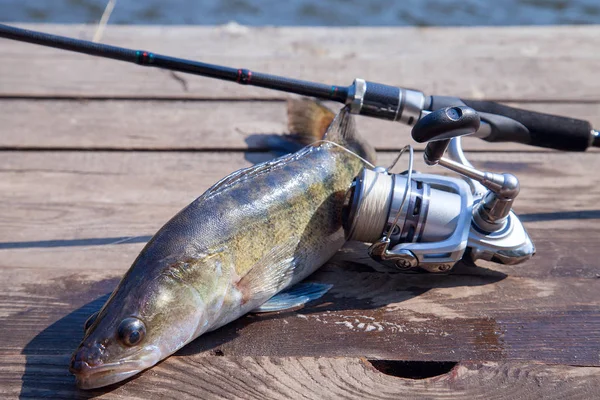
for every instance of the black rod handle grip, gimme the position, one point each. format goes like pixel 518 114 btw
pixel 511 124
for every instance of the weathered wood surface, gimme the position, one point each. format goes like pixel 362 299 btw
pixel 85 181
pixel 470 315
pixel 47 195
pixel 309 378
pixel 59 270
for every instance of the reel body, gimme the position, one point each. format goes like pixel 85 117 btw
pixel 427 223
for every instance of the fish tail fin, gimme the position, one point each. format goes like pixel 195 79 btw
pixel 310 121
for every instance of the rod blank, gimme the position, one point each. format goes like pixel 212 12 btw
pixel 140 57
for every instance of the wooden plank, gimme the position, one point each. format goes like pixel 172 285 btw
pixel 64 207
pixel 306 378
pixel 534 63
pixel 61 207
pixel 147 188
pixel 89 124
pixel 479 314
pixel 561 252
pixel 373 42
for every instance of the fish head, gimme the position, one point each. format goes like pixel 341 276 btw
pixel 143 322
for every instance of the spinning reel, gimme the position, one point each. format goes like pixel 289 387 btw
pixel 427 223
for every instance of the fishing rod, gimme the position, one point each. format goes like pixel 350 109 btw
pixel 415 222
pixel 499 123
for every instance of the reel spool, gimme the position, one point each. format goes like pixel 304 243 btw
pixel 375 200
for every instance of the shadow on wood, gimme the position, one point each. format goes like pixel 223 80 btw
pixel 46 244
pixel 60 338
pixel 269 146
pixel 334 302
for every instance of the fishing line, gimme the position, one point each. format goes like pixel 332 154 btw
pixel 347 150
pixel 374 200
pixel 104 20
pixel 378 195
pixel 373 206
pixel 124 240
pixel 408 187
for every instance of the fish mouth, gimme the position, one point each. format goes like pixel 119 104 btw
pixel 89 377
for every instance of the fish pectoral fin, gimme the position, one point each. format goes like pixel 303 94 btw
pixel 295 296
pixel 271 273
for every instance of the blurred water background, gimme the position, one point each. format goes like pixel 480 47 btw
pixel 309 12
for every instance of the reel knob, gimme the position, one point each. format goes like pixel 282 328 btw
pixel 446 123
pixel 442 125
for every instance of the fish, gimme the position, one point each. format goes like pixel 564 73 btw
pixel 235 249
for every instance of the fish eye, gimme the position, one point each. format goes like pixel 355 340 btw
pixel 90 321
pixel 131 331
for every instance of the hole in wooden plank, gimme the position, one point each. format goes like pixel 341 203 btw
pixel 219 353
pixel 413 369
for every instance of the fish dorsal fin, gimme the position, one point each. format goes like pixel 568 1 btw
pixel 312 122
pixel 343 131
pixel 297 295
pixel 251 172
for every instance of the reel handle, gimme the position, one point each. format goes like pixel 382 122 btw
pixel 438 128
